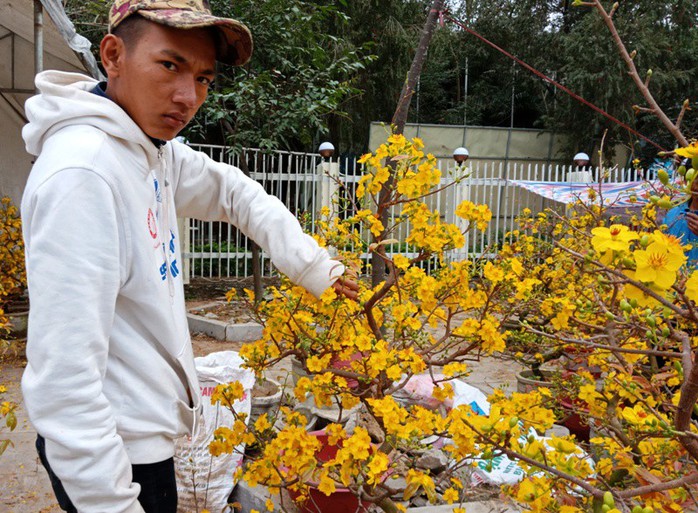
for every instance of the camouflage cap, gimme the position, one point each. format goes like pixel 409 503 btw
pixel 188 14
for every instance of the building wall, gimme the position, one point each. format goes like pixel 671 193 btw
pixel 17 74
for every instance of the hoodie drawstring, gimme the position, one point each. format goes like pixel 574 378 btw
pixel 166 216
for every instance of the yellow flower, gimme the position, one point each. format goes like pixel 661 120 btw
pixel 658 264
pixel 643 299
pixel 326 485
pixel 6 407
pixel 318 364
pixel 516 266
pixel 262 424
pixel 451 495
pixel 690 151
pixel 617 237
pixel 444 392
pixel 228 393
pixel 637 415
pixel 401 262
pixel 378 465
pixel 493 273
pixel 692 287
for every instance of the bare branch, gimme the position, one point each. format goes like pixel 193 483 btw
pixel 684 108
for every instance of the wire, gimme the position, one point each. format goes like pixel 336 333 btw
pixel 553 82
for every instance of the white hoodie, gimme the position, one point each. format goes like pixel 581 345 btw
pixel 110 379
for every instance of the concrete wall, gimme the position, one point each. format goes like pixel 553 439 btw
pixel 490 145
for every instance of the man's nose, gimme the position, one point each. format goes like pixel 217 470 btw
pixel 186 93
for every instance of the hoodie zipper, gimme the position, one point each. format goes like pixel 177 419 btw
pixel 166 221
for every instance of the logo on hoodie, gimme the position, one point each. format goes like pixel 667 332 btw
pixel 152 224
pixel 158 193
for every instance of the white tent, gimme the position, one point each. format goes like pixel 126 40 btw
pixel 26 25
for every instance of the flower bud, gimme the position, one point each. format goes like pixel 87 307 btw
pixel 663 176
pixel 608 499
pixel 681 170
pixel 665 203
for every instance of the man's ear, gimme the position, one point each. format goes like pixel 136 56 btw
pixel 112 51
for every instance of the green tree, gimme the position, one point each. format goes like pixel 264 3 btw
pixel 594 70
pixel 299 75
pixel 390 29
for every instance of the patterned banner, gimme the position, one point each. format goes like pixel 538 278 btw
pixel 615 195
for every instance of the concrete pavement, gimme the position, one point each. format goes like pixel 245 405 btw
pixel 25 486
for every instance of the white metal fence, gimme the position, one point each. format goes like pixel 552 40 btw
pixel 302 182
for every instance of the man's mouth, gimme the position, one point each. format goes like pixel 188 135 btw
pixel 175 120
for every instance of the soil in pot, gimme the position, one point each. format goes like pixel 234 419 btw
pixel 266 398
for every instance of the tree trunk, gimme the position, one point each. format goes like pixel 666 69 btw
pixel 256 260
pixel 398 127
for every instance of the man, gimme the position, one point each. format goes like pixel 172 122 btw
pixel 110 380
pixel 682 222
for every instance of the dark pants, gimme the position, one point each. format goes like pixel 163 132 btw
pixel 157 480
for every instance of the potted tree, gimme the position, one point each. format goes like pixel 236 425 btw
pixel 14 305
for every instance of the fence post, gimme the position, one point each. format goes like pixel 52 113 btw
pixel 461 193
pixel 328 173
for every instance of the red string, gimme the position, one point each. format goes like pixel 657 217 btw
pixel 553 82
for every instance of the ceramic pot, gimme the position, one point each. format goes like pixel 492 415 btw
pixel 527 381
pixel 18 319
pixel 268 403
pixel 573 420
pixel 342 500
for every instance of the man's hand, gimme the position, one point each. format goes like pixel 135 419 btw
pixel 692 222
pixel 347 287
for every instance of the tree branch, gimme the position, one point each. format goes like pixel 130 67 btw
pixel 644 90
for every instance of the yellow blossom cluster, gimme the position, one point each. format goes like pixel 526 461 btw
pixel 608 303
pixel 13 277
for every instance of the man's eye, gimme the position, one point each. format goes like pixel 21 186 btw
pixel 206 81
pixel 169 65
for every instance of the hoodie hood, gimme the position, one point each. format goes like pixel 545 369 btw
pixel 66 99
